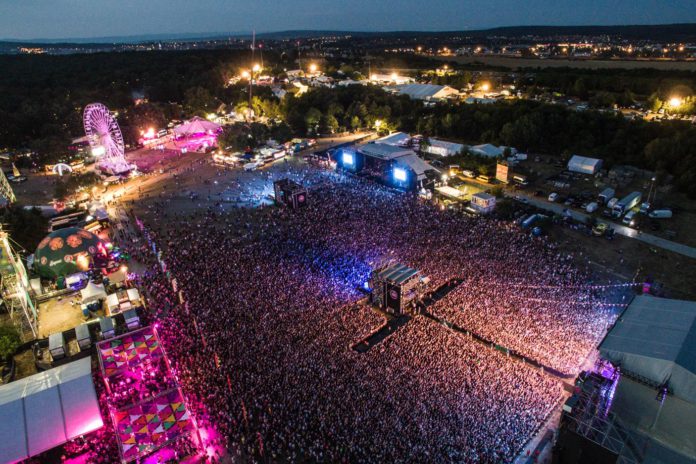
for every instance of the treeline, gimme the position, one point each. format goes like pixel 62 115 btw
pixel 667 147
pixel 607 86
pixel 324 110
pixel 42 97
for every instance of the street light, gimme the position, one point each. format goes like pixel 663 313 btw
pixel 256 68
pixel 312 68
pixel 675 102
pixel 485 86
pixel 378 124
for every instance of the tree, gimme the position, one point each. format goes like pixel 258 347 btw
pixel 26 227
pixel 9 341
pixel 199 99
pixel 312 119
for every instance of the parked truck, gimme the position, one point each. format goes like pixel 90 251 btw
pixel 626 203
pixel 605 195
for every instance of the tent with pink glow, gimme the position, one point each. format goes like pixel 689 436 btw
pixel 47 409
pixel 196 125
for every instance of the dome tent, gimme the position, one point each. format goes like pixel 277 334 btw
pixel 66 251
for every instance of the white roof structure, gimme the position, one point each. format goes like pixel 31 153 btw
pixel 584 164
pixel 417 165
pixel 398 139
pixel 403 156
pixel 443 147
pixel 93 292
pixel 655 338
pixel 490 151
pixel 196 125
pixel 47 409
pixel 427 91
pixel 383 151
pixel 450 192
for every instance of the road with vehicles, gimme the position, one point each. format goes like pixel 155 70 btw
pixel 620 229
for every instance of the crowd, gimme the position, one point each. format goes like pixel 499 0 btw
pixel 269 308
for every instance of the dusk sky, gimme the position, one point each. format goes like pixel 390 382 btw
pixel 30 19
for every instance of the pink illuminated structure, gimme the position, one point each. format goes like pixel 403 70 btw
pixel 147 407
pixel 196 134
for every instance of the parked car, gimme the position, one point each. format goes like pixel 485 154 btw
pixel 660 214
pixel 600 229
pixel 630 218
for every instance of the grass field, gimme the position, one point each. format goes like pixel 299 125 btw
pixel 510 62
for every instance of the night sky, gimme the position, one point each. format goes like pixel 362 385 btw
pixel 31 19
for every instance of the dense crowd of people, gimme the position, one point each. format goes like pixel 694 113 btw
pixel 261 331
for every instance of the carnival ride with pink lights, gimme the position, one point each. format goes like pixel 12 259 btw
pixel 105 139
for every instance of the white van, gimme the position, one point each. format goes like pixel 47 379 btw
pixel 251 166
pixel 629 218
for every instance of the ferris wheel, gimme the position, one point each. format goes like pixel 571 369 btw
pixel 105 137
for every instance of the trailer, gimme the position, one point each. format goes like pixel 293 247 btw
pixel 605 195
pixel 626 203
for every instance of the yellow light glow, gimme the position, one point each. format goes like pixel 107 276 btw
pixel 394 76
pixel 313 68
pixel 378 123
pixel 256 68
pixel 210 116
pixel 675 102
pixel 485 87
pixel 245 74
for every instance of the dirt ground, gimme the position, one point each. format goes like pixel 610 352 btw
pixel 624 258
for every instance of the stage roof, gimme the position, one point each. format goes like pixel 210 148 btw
pixel 656 339
pixel 384 151
pixel 417 165
pixel 47 409
pixel 397 273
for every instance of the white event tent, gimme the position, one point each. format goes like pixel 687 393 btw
pixel 46 410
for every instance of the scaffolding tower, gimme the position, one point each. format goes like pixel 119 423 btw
pixel 16 292
pixel 6 191
pixel 588 414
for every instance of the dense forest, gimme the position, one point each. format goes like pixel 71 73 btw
pixel 41 100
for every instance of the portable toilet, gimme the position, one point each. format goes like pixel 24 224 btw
pixel 56 345
pixel 84 340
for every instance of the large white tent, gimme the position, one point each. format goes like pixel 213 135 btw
pixel 45 410
pixel 655 339
pixel 196 125
pixel 584 165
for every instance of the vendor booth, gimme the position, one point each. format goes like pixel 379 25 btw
pixel 122 301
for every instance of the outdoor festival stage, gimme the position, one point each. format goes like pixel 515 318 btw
pixel 147 407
